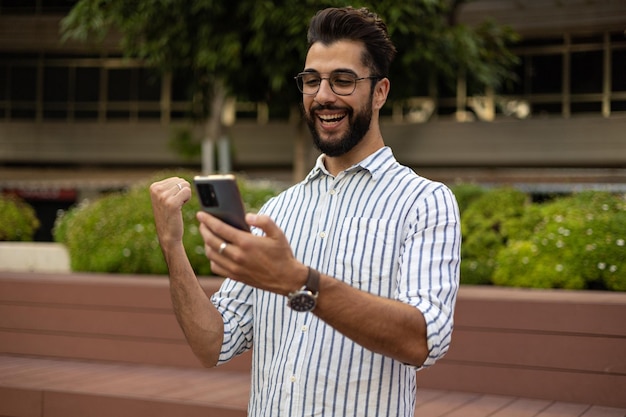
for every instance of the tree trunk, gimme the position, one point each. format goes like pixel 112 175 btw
pixel 213 127
pixel 301 155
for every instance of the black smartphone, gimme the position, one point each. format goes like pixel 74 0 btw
pixel 219 196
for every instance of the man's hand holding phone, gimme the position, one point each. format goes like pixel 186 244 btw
pixel 219 196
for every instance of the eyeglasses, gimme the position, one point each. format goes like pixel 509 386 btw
pixel 342 83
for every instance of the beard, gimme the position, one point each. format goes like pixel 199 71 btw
pixel 359 125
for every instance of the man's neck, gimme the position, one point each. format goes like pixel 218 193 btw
pixel 337 164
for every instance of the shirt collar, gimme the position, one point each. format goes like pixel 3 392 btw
pixel 376 164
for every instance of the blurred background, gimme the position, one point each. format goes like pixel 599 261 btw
pixel 524 92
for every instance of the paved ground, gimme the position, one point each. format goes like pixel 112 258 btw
pixel 214 390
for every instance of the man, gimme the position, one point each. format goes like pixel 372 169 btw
pixel 348 282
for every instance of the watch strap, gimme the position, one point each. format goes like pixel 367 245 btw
pixel 313 281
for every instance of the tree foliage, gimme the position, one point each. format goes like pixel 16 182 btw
pixel 256 46
pixel 250 49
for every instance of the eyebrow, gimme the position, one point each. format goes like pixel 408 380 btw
pixel 345 70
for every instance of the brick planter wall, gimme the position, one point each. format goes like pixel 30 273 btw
pixel 560 345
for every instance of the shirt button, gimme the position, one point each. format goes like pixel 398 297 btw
pixel 333 192
pixel 322 235
pixel 304 328
pixel 293 378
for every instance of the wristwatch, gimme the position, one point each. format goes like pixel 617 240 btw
pixel 305 298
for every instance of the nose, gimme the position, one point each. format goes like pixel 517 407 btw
pixel 325 94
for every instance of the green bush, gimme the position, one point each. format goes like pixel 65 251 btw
pixel 18 220
pixel 486 224
pixel 577 242
pixel 117 234
pixel 466 193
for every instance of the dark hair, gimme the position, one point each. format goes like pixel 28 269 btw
pixel 335 24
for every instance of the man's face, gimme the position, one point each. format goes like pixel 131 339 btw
pixel 338 123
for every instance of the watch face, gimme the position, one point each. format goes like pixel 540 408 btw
pixel 302 301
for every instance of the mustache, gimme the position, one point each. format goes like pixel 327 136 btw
pixel 318 107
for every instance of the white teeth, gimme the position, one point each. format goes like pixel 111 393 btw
pixel 331 117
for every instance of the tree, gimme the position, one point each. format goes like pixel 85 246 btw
pixel 201 38
pixel 250 49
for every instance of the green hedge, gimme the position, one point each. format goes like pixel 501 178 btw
pixel 575 241
pixel 116 233
pixel 18 220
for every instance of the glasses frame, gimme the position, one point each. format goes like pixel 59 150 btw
pixel 332 87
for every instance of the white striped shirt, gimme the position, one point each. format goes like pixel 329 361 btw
pixel 379 227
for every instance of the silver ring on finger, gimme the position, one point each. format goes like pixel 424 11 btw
pixel 180 187
pixel 222 248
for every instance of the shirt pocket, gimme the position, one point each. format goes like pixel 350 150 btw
pixel 365 255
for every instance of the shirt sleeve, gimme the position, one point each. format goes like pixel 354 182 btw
pixel 430 266
pixel 234 301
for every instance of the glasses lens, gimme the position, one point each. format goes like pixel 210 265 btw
pixel 308 83
pixel 342 83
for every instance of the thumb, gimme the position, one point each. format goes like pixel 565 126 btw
pixel 264 223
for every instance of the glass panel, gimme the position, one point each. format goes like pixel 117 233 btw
pixel 596 38
pixel 119 85
pixel 595 108
pixel 23 114
pixel 546 73
pixel 586 72
pixel 545 109
pixel 18 6
pixel 85 114
pixel 15 56
pixel 55 84
pixel 618 70
pixel 149 84
pixel 176 115
pixel 23 83
pixel 55 114
pixel 618 37
pixel 87 84
pixel 149 114
pixel 557 40
pixel 57 6
pixel 181 87
pixel 618 105
pixel 3 82
pixel 118 114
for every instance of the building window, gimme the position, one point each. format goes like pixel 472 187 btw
pixel 56 92
pixel 16 7
pixel 67 88
pixel 22 92
pixel 546 72
pixel 86 92
pixel 568 76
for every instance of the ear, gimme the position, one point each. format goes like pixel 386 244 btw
pixel 381 91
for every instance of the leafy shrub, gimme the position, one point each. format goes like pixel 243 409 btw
pixel 116 233
pixel 486 224
pixel 466 193
pixel 577 242
pixel 18 221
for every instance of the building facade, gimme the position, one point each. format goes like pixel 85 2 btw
pixel 63 103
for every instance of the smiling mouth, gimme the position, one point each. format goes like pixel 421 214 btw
pixel 331 119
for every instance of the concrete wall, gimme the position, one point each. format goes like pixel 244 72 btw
pixel 579 142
